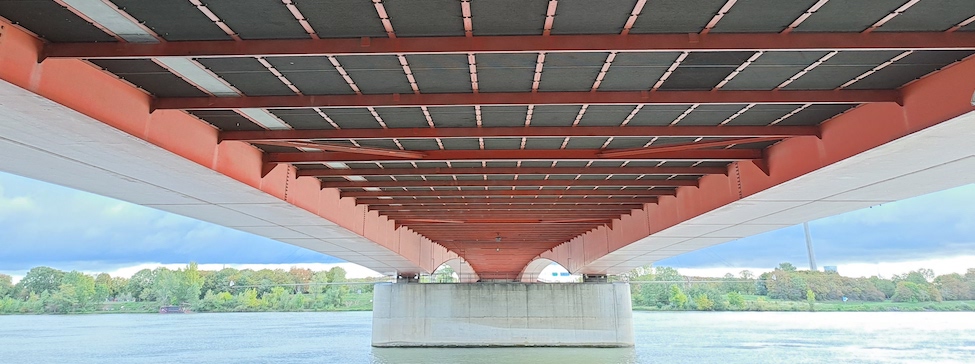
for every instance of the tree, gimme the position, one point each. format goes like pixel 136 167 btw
pixel 811 299
pixel 40 279
pixel 301 276
pixel 84 288
pixel 444 275
pixel 677 297
pixel 179 286
pixel 140 285
pixel 746 275
pixel 103 287
pixel 6 286
pixel 735 299
pixel 886 286
pixel 703 303
pixel 761 285
pixel 953 287
pixel 788 267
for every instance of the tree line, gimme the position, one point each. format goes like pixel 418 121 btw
pixel 48 290
pixel 665 288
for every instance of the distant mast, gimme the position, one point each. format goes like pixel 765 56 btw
pixel 812 255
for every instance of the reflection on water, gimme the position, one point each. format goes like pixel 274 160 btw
pixel 344 337
pixel 503 355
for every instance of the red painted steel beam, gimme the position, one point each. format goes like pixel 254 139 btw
pixel 510 171
pixel 650 151
pixel 514 154
pixel 506 201
pixel 520 44
pixel 264 136
pixel 349 149
pixel 546 192
pixel 498 220
pixel 532 98
pixel 463 215
pixel 542 208
pixel 492 200
pixel 520 183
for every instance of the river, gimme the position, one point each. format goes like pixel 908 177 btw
pixel 344 337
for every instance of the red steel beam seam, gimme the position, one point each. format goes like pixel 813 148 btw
pixel 520 182
pixel 510 171
pixel 551 192
pixel 532 132
pixel 635 152
pixel 809 12
pixel 517 154
pixel 300 18
pixel 523 44
pixel 507 201
pixel 892 15
pixel 533 98
pixel 510 208
pixel 717 17
pixel 348 149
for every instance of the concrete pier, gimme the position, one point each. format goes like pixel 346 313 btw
pixel 502 314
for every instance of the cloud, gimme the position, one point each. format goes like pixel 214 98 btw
pixel 10 206
pixel 67 228
pixel 932 228
pixel 44 224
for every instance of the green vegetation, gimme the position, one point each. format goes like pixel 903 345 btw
pixel 784 289
pixel 48 290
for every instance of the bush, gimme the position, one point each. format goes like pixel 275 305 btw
pixel 703 303
pixel 736 300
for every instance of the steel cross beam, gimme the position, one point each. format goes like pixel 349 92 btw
pixel 507 201
pixel 526 132
pixel 532 98
pixel 546 192
pixel 514 154
pixel 512 208
pixel 510 171
pixel 520 44
pixel 521 182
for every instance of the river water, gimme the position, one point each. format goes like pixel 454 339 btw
pixel 344 337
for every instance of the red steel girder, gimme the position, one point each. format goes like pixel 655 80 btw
pixel 525 219
pixel 348 149
pixel 514 154
pixel 506 200
pixel 510 171
pixel 519 44
pixel 520 183
pixel 541 208
pixel 545 192
pixel 532 98
pixel 498 220
pixel 650 151
pixel 527 132
pixel 461 215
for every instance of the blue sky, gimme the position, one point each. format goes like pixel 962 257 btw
pixel 45 224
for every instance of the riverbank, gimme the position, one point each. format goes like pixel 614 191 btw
pixel 752 304
pixel 763 304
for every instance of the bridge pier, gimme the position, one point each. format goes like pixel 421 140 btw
pixel 502 314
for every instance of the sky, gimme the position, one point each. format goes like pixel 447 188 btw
pixel 46 224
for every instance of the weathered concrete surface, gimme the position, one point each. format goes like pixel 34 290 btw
pixel 502 314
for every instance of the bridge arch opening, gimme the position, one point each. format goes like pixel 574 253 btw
pixel 546 271
pixel 454 270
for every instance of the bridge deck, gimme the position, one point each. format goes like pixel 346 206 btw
pixel 502 130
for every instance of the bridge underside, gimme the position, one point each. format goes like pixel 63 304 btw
pixel 600 135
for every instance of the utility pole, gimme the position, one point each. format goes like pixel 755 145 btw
pixel 812 255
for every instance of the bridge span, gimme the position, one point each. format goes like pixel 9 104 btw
pixel 599 135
